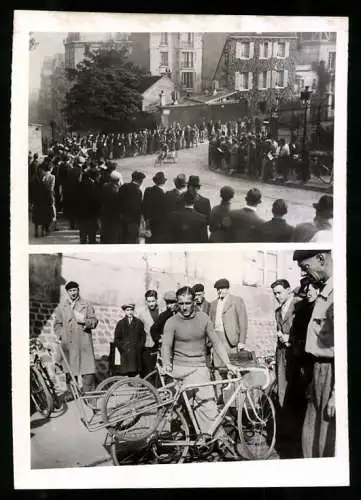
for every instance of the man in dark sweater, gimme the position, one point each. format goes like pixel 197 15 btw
pixel 156 330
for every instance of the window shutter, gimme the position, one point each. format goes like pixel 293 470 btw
pixel 237 81
pixel 285 78
pixel 287 49
pixel 238 50
pixel 275 49
pixel 250 80
pixel 268 79
pixel 251 50
pixel 261 50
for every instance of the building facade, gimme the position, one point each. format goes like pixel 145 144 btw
pixel 261 67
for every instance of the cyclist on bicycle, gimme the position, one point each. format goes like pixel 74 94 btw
pixel 183 354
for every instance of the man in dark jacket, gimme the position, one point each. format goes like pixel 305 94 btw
pixel 201 204
pixel 156 330
pixel 173 197
pixel 186 225
pixel 246 223
pixel 130 203
pixel 154 208
pixel 277 230
pixel 89 204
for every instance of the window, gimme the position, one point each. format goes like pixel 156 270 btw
pixel 331 60
pixel 243 81
pixel 164 38
pixel 188 79
pixel 245 50
pixel 186 39
pixel 281 49
pixel 263 80
pixel 264 50
pixel 261 268
pixel 280 79
pixel 187 59
pixel 164 58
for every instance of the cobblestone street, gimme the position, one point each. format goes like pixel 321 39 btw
pixel 195 162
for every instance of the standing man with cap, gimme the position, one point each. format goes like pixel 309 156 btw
pixel 74 321
pixel 201 304
pixel 130 207
pixel 156 330
pixel 322 222
pixel 220 219
pixel 229 316
pixel 319 428
pixel 149 314
pixel 246 223
pixel 154 208
pixel 201 204
pixel 129 339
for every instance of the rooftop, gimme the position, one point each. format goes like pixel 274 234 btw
pixel 147 82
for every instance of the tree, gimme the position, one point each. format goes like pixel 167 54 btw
pixel 104 93
pixel 323 78
pixel 32 41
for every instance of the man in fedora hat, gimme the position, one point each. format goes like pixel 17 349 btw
pixel 201 204
pixel 186 225
pixel 322 221
pixel 74 321
pixel 130 207
pixel 246 223
pixel 129 340
pixel 319 428
pixel 154 208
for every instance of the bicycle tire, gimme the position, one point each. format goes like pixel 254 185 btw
pixel 250 422
pixel 130 409
pixel 158 448
pixel 40 393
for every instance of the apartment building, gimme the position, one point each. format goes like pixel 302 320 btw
pixel 260 66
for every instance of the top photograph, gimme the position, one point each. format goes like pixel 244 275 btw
pixel 181 137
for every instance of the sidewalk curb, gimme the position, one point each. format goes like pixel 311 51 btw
pixel 304 187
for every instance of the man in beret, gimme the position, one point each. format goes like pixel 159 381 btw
pixel 229 316
pixel 130 208
pixel 322 222
pixel 246 223
pixel 319 428
pixel 154 208
pixel 129 339
pixel 156 330
pixel 74 321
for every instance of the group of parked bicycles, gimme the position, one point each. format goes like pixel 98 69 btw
pixel 152 421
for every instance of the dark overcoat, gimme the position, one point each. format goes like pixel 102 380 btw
pixel 219 223
pixel 276 230
pixel 187 226
pixel 129 339
pixel 245 226
pixel 154 212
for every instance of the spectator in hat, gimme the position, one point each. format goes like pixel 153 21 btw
pixel 149 314
pixel 220 219
pixel 229 316
pixel 277 230
pixel 246 223
pixel 186 225
pixel 173 197
pixel 319 428
pixel 156 330
pixel 201 204
pixel 129 340
pixel 154 208
pixel 322 222
pixel 89 204
pixel 130 208
pixel 201 304
pixel 74 321
pixel 109 211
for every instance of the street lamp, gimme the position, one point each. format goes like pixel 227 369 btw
pixel 305 100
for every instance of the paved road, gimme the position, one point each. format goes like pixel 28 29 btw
pixel 195 162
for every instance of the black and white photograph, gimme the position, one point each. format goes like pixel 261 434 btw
pixel 166 137
pixel 173 358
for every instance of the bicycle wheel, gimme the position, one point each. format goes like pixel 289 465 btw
pixel 130 409
pixel 129 453
pixel 103 386
pixel 40 393
pixel 171 442
pixel 256 425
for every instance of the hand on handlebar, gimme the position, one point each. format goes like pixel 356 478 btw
pixel 165 370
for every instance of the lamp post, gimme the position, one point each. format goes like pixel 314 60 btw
pixel 306 100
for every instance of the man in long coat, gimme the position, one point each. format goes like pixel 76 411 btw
pixel 75 319
pixel 154 208
pixel 186 225
pixel 129 339
pixel 246 223
pixel 130 205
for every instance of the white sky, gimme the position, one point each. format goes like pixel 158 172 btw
pixel 49 45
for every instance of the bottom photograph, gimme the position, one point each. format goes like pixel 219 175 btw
pixel 180 356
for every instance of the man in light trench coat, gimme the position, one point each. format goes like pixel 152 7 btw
pixel 74 321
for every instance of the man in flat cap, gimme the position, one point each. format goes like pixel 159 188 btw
pixel 322 222
pixel 319 428
pixel 130 207
pixel 154 208
pixel 246 223
pixel 229 316
pixel 156 330
pixel 74 321
pixel 129 339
